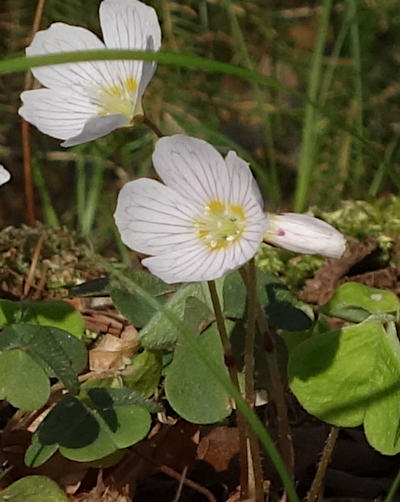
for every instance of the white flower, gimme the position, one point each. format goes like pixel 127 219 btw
pixel 85 101
pixel 206 220
pixel 4 175
pixel 304 234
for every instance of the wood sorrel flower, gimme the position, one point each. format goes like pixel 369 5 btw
pixel 4 175
pixel 304 234
pixel 85 101
pixel 206 220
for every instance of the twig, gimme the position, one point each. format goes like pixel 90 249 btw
pixel 188 482
pixel 326 457
pixel 32 268
pixel 181 483
pixel 26 136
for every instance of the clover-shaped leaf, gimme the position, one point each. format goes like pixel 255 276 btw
pixel 33 489
pixel 351 377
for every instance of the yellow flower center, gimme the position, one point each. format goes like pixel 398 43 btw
pixel 118 98
pixel 221 224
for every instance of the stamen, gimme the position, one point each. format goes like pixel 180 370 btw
pixel 117 98
pixel 220 225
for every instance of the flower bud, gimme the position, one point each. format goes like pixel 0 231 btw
pixel 304 234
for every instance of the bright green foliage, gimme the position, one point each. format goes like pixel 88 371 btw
pixel 22 381
pixel 108 420
pixel 144 373
pixel 33 489
pixel 190 388
pixel 56 351
pixel 44 313
pixel 159 333
pixel 354 302
pixel 351 377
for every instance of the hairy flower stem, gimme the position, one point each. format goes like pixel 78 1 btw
pixel 317 484
pixel 233 373
pixel 278 393
pixel 251 284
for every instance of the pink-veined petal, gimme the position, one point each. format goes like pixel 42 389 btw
pixel 61 113
pixel 4 175
pixel 193 168
pixel 61 37
pixel 130 24
pixel 153 218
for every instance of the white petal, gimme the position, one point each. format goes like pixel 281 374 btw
pixel 154 219
pixel 243 185
pixel 61 113
pixel 62 37
pixel 130 24
pixel 4 175
pixel 304 234
pixel 193 168
pixel 97 127
pixel 195 264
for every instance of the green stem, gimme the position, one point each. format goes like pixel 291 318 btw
pixel 80 191
pixel 393 488
pixel 49 214
pixel 93 198
pixel 232 368
pixel 249 414
pixel 308 142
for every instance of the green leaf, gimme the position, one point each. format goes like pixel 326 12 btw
pixel 53 348
pixel 33 489
pixel 22 381
pixel 105 398
pixel 108 421
pixel 134 307
pixel 190 388
pixel 44 313
pixel 354 302
pixel 37 453
pixel 351 376
pixel 160 333
pixel 280 307
pixel 144 373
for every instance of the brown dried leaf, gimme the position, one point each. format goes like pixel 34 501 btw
pixel 114 352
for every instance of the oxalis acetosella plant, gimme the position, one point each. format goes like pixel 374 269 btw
pixel 200 227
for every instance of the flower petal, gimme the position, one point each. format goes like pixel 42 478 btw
pixel 61 37
pixel 193 168
pixel 4 175
pixel 193 264
pixel 154 219
pixel 304 234
pixel 61 113
pixel 130 24
pixel 243 185
pixel 96 127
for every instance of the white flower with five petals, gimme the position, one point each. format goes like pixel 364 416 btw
pixel 85 101
pixel 207 218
